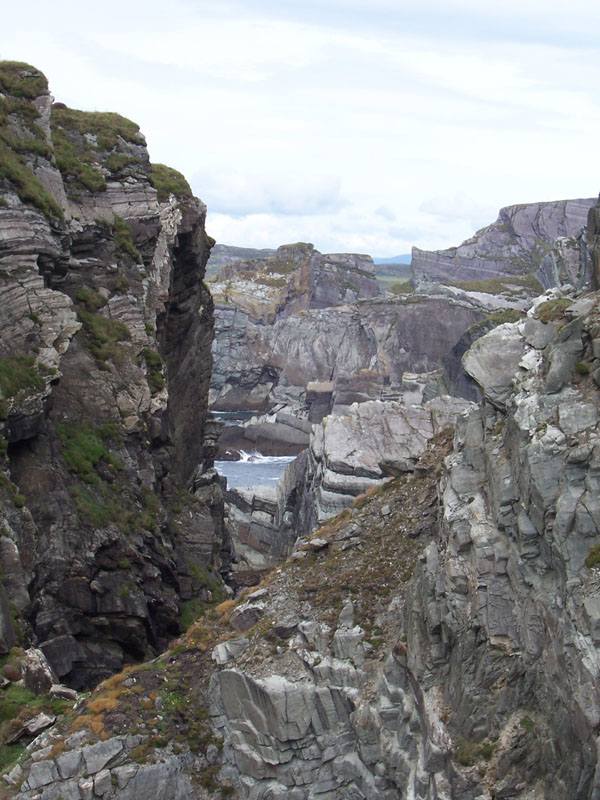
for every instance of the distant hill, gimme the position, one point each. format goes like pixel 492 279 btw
pixel 389 274
pixel 402 259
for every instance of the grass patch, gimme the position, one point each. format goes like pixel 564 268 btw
pixel 22 83
pixel 9 754
pixel 76 164
pixel 103 336
pixel 90 298
pixel 18 374
pixel 403 287
pixel 581 368
pixel 117 162
pixel 27 186
pixel 156 379
pixel 494 319
pixel 593 557
pixel 501 285
pixel 87 141
pixel 17 705
pixel 553 310
pixel 83 449
pixel 167 181
pixel 190 612
pixel 274 283
pixel 106 126
pixel 285 267
pixel 124 240
pixel 19 79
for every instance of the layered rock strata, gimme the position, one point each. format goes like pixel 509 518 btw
pixel 540 238
pixel 104 369
pixel 321 361
pixel 438 641
pixel 355 452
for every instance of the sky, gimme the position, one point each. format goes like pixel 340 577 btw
pixel 359 126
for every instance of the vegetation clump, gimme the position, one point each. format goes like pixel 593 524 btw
pixel 103 334
pixel 553 310
pixel 403 287
pixel 156 379
pixel 84 448
pixel 88 142
pixel 19 375
pixel 17 707
pixel 90 299
pixel 506 284
pixel 593 557
pixel 124 240
pixel 22 80
pixel 167 181
pixel 76 165
pixel 494 319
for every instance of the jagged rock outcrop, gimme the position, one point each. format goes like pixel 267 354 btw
pixel 253 297
pixel 438 640
pixel 104 371
pixel 263 522
pixel 355 452
pixel 321 361
pixel 540 238
pixel 593 238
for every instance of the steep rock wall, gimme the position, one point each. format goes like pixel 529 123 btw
pixel 259 365
pixel 104 369
pixel 437 641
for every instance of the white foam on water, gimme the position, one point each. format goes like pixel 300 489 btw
pixel 253 469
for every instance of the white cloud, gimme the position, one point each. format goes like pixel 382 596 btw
pixel 369 126
pixel 241 193
pixel 385 212
pixel 459 207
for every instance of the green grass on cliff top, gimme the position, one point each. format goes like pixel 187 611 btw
pixel 106 126
pixel 167 181
pixel 21 139
pixel 18 373
pixel 85 140
pixel 18 79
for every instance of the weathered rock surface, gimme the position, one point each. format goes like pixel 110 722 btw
pixel 263 522
pixel 350 454
pixel 104 371
pixel 517 243
pixel 439 640
pixel 321 361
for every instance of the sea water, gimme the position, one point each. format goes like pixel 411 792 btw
pixel 253 469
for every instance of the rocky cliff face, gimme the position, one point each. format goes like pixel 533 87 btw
pixel 253 297
pixel 437 641
pixel 104 370
pixel 540 238
pixel 349 353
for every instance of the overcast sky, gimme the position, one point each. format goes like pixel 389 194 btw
pixel 365 126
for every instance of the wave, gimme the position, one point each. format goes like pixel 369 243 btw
pixel 253 469
pixel 258 458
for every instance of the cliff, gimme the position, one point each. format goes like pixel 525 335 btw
pixel 437 640
pixel 544 239
pixel 104 370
